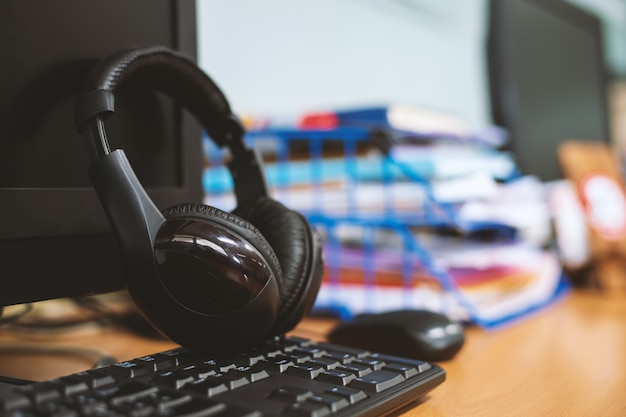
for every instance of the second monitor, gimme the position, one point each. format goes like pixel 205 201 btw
pixel 548 79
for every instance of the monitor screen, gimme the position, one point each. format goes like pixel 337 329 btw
pixel 55 240
pixel 548 79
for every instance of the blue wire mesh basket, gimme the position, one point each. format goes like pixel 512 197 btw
pixel 371 208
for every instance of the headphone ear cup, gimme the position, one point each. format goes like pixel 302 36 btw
pixel 203 211
pixel 298 252
pixel 222 273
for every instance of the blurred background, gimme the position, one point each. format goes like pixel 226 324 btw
pixel 282 57
pixel 547 72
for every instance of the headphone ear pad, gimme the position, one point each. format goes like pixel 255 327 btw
pixel 298 252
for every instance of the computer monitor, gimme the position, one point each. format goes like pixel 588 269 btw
pixel 548 79
pixel 55 240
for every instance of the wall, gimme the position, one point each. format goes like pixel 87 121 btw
pixel 284 56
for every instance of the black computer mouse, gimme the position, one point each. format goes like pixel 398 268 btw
pixel 418 334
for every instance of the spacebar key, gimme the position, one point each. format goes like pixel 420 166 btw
pixel 377 381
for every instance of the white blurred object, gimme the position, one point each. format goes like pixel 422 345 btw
pixel 569 224
pixel 521 204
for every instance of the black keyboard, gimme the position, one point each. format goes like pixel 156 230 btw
pixel 283 377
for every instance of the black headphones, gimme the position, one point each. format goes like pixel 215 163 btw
pixel 207 279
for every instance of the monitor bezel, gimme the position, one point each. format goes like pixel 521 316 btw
pixel 48 250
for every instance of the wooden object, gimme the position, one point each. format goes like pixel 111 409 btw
pixel 593 169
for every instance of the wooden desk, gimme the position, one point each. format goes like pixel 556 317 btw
pixel 568 360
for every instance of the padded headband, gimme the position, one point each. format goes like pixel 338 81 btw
pixel 180 78
pixel 167 71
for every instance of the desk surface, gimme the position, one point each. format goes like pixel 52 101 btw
pixel 570 359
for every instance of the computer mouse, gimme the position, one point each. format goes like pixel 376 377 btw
pixel 418 334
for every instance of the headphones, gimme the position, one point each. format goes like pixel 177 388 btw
pixel 207 279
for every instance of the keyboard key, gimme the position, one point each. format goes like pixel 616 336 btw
pixel 44 391
pixel 131 369
pixel 406 371
pixel 136 409
pixel 181 356
pixel 85 402
pixel 173 379
pixel 232 379
pixel 158 362
pixel 353 395
pixel 323 362
pixel 337 377
pixel 377 381
pixel 234 411
pixel 206 387
pixel 270 349
pixel 333 402
pixel 341 357
pixel 54 409
pixel 13 401
pixel 307 409
pixel 246 360
pixel 199 371
pixel 286 345
pixel 355 352
pixel 373 363
pixel 128 391
pixel 355 368
pixel 195 408
pixel 70 385
pixel 94 409
pixel 311 351
pixel 421 366
pixel 290 394
pixel 96 378
pixel 305 371
pixel 252 373
pixel 295 341
pixel 278 363
pixel 342 354
pixel 220 365
pixel 167 398
pixel 296 356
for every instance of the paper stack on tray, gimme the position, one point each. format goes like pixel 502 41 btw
pixel 363 175
pixel 488 285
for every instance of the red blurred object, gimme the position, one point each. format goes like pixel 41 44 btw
pixel 321 120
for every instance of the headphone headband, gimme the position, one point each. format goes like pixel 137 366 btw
pixel 169 72
pixel 180 78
